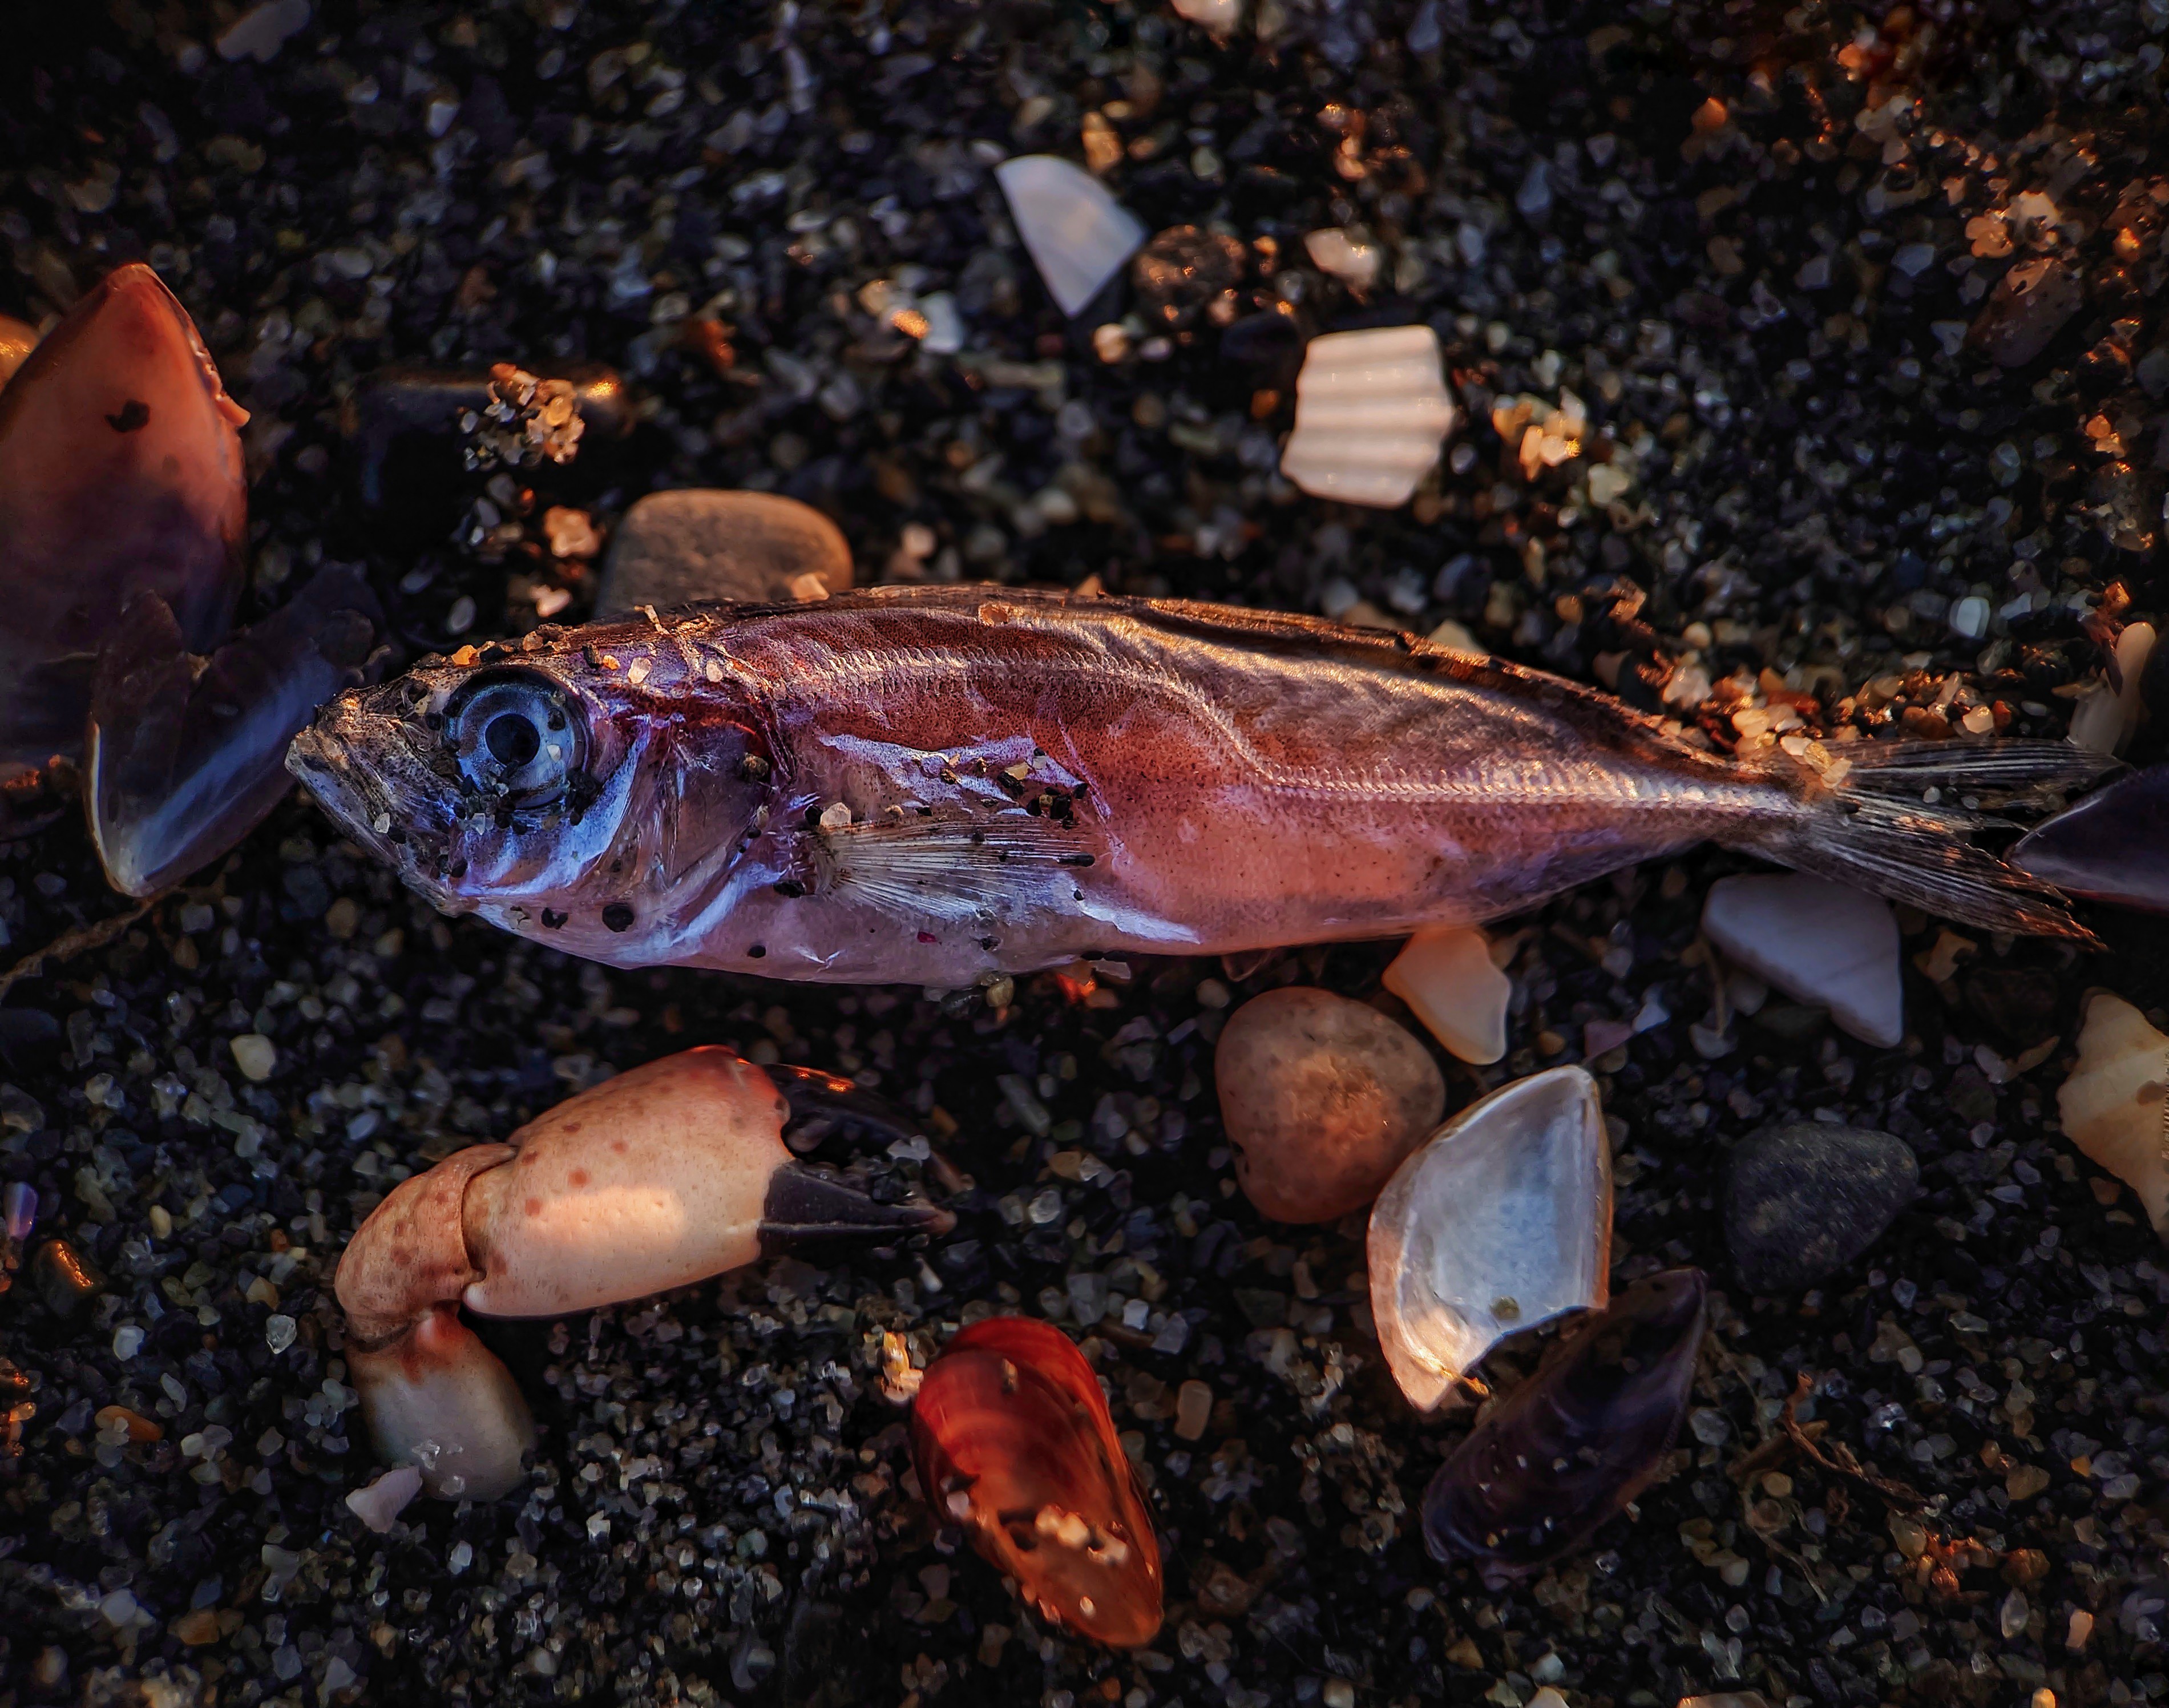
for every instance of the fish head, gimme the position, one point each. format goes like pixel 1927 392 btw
pixel 557 792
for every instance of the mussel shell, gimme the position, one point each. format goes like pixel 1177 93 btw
pixel 1577 1440
pixel 1013 1440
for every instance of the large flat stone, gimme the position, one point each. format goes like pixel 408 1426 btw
pixel 678 547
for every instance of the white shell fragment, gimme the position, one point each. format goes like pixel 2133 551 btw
pixel 1370 409
pixel 2114 1104
pixel 1819 942
pixel 379 1503
pixel 1078 234
pixel 1501 1221
pixel 2107 718
pixel 1447 977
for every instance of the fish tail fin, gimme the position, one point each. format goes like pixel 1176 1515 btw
pixel 1897 818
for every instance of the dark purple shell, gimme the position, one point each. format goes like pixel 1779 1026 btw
pixel 186 755
pixel 1577 1440
pixel 2112 847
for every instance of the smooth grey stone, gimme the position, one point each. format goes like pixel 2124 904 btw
pixel 1801 1202
pixel 677 547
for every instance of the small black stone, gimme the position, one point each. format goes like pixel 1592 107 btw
pixel 1803 1201
pixel 65 1279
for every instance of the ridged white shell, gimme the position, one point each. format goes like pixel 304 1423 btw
pixel 1501 1221
pixel 1370 408
pixel 1078 234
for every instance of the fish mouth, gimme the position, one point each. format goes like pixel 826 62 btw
pixel 379 792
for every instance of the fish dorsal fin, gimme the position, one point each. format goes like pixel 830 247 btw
pixel 954 866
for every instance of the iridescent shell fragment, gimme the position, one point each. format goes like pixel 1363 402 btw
pixel 1014 1442
pixel 1501 1222
pixel 1577 1440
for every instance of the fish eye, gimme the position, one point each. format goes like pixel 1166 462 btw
pixel 518 736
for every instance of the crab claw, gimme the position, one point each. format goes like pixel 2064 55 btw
pixel 658 1178
pixel 436 1398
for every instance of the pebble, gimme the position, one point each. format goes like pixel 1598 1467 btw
pixel 1078 234
pixel 1193 1410
pixel 1447 978
pixel 698 543
pixel 2112 1106
pixel 255 1056
pixel 1323 1098
pixel 379 1502
pixel 1371 412
pixel 261 32
pixel 1820 942
pixel 2026 309
pixel 1803 1201
pixel 1219 16
pixel 19 1205
pixel 2109 846
pixel 1503 1221
pixel 64 1278
pixel 1334 251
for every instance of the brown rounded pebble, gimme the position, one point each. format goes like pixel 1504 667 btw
pixel 691 544
pixel 1322 1097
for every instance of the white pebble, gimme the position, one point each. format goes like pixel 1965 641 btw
pixel 127 1342
pixel 461 1557
pixel 379 1503
pixel 1219 16
pixel 1371 410
pixel 255 1056
pixel 1447 977
pixel 1913 260
pixel 1334 251
pixel 259 34
pixel 1078 235
pixel 1969 616
pixel 1819 942
pixel 278 1332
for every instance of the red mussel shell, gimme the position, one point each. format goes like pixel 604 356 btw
pixel 1014 1443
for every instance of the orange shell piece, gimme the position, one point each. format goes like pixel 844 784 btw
pixel 1014 1442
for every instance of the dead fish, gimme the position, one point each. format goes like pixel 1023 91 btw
pixel 121 474
pixel 940 784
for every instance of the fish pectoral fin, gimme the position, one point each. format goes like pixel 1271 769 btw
pixel 955 868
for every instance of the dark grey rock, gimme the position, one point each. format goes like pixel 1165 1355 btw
pixel 1803 1201
pixel 673 548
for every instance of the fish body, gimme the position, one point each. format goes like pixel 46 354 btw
pixel 934 785
pixel 120 474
